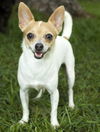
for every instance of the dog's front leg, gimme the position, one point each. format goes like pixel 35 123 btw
pixel 54 95
pixel 25 101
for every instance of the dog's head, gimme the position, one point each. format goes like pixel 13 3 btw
pixel 39 36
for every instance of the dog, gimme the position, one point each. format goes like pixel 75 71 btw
pixel 43 53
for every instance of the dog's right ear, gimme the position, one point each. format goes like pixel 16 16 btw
pixel 25 16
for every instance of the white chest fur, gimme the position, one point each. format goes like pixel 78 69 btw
pixel 33 72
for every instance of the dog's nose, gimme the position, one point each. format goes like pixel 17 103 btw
pixel 39 46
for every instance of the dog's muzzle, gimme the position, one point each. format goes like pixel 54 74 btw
pixel 38 53
pixel 38 50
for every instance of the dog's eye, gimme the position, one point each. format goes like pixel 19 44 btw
pixel 49 36
pixel 30 36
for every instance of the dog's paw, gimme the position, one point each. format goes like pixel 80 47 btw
pixel 22 121
pixel 55 124
pixel 71 106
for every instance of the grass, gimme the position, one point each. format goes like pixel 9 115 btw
pixel 91 6
pixel 86 115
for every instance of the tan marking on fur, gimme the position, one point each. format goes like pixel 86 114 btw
pixel 65 37
pixel 24 28
pixel 40 29
pixel 45 26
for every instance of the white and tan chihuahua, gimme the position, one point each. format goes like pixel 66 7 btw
pixel 43 53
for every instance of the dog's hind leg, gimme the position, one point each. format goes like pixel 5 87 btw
pixel 70 62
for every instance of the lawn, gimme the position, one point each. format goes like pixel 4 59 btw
pixel 86 115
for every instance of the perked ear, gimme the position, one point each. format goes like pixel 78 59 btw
pixel 24 15
pixel 57 18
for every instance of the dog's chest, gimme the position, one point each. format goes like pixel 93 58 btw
pixel 37 72
pixel 42 71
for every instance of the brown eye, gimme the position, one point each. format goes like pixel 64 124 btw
pixel 49 36
pixel 30 36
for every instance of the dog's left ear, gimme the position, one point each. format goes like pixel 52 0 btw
pixel 57 18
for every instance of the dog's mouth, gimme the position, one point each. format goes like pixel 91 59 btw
pixel 38 54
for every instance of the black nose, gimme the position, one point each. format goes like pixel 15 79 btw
pixel 39 46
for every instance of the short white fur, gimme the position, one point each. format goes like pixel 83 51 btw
pixel 43 74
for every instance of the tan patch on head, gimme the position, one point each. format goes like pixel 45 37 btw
pixel 40 29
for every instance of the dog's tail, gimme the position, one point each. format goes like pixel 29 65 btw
pixel 39 94
pixel 67 30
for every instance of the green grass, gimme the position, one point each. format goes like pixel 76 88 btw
pixel 91 6
pixel 86 115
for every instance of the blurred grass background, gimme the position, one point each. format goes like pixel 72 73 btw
pixel 86 45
